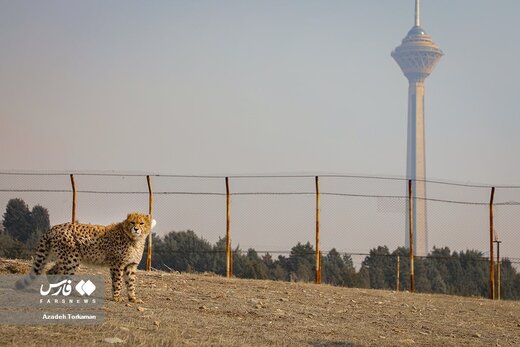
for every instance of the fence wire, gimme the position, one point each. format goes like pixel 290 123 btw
pixel 275 217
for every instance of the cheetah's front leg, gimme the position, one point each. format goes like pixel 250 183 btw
pixel 130 282
pixel 117 282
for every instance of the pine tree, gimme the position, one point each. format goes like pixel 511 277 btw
pixel 17 220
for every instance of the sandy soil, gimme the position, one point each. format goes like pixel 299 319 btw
pixel 204 310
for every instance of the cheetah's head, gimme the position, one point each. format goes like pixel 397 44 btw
pixel 138 225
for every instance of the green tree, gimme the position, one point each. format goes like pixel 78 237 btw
pixel 362 278
pixel 17 220
pixel 474 279
pixel 40 222
pixel 438 269
pixel 437 283
pixel 509 281
pixel 455 275
pixel 338 270
pixel 301 262
pixel 218 257
pixel 404 266
pixel 40 219
pixel 157 254
pixel 333 266
pixel 250 266
pixel 381 272
pixel 185 251
pixel 276 270
pixel 350 271
pixel 422 281
pixel 11 248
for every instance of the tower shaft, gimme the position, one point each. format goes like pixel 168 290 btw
pixel 417 56
pixel 416 166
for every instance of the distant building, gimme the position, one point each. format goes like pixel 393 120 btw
pixel 417 56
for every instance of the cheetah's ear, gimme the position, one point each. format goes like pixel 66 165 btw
pixel 153 223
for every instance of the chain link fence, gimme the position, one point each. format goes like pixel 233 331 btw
pixel 362 225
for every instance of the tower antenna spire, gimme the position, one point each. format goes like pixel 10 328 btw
pixel 417 13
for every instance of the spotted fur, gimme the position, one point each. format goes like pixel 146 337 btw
pixel 119 246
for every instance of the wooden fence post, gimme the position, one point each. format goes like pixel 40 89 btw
pixel 318 253
pixel 150 203
pixel 410 227
pixel 498 268
pixel 229 259
pixel 491 248
pixel 73 199
pixel 398 273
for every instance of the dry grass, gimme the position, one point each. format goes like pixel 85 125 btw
pixel 206 310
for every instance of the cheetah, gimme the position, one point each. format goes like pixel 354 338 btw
pixel 119 246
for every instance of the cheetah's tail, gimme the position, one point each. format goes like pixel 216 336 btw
pixel 42 254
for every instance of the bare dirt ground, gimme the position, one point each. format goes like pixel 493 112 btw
pixel 207 310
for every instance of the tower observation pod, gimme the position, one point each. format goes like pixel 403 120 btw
pixel 417 56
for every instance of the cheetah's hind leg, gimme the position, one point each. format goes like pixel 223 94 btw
pixel 63 268
pixel 56 269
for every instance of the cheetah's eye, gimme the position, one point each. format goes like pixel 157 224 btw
pixel 142 223
pixel 133 223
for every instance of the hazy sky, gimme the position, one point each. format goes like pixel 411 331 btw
pixel 232 87
pixel 252 87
